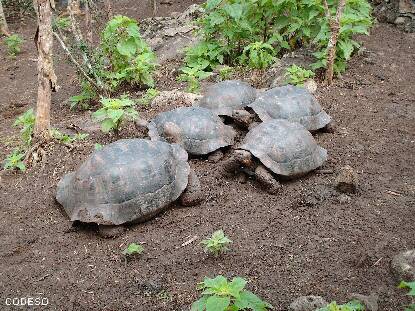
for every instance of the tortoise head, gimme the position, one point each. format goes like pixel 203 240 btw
pixel 172 133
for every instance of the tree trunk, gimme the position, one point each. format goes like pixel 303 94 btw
pixel 46 75
pixel 331 47
pixel 4 29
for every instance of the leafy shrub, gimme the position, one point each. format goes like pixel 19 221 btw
pixel 353 305
pixel 127 56
pixel 133 249
pixel 14 43
pixel 26 122
pixel 15 161
pixel 297 75
pixel 253 32
pixel 217 243
pixel 220 295
pixel 113 112
pixel 411 287
pixel 258 55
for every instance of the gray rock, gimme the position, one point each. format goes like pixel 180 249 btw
pixel 307 303
pixel 403 266
pixel 347 180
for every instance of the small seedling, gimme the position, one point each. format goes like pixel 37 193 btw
pixel 26 122
pixel 14 43
pixel 133 249
pixel 225 73
pixel 297 75
pixel 217 243
pixel 14 161
pixel 61 23
pixel 113 112
pixel 353 305
pixel 148 96
pixel 98 146
pixel 83 100
pixel 65 138
pixel 411 287
pixel 193 74
pixel 219 294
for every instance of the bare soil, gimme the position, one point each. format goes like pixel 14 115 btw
pixel 308 239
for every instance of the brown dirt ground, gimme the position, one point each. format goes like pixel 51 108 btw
pixel 305 240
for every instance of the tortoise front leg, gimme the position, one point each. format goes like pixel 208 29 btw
pixel 266 179
pixel 236 160
pixel 192 195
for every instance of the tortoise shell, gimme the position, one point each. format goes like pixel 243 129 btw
pixel 292 103
pixel 128 180
pixel 226 96
pixel 286 148
pixel 201 131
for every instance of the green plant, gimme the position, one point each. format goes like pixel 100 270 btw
pixel 192 74
pixel 123 55
pixel 61 23
pixel 26 122
pixel 98 146
pixel 353 305
pixel 411 287
pixel 15 161
pixel 148 96
pixel 258 55
pixel 356 19
pixel 113 112
pixel 133 249
pixel 232 30
pixel 217 243
pixel 14 43
pixel 220 295
pixel 67 139
pixel 225 72
pixel 82 100
pixel 297 75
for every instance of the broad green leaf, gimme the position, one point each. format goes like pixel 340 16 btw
pixel 215 303
pixel 127 47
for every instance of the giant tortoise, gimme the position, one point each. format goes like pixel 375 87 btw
pixel 130 180
pixel 292 103
pixel 198 130
pixel 277 148
pixel 225 97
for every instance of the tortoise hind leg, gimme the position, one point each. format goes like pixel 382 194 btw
pixel 192 195
pixel 265 178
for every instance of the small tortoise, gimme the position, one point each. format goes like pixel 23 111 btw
pixel 292 103
pixel 198 130
pixel 225 97
pixel 130 180
pixel 286 149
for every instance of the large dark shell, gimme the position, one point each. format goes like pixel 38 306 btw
pixel 292 103
pixel 226 96
pixel 202 131
pixel 286 148
pixel 129 180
